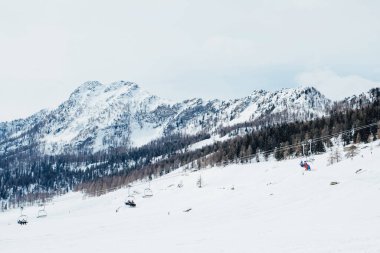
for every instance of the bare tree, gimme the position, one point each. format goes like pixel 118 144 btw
pixel 358 138
pixel 335 156
pixel 200 181
pixel 338 154
pixel 370 140
pixel 331 159
pixel 257 155
pixel 351 151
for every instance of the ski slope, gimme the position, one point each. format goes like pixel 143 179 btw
pixel 274 207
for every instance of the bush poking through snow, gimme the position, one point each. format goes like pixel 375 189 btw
pixel 351 151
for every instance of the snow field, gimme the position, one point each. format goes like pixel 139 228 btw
pixel 274 207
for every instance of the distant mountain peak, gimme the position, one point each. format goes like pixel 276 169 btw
pixel 96 86
pixel 120 114
pixel 88 86
pixel 121 85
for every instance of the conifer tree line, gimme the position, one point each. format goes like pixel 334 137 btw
pixel 31 177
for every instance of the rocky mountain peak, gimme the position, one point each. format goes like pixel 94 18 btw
pixel 99 116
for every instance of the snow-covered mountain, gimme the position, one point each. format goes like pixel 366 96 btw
pixel 99 116
pixel 363 99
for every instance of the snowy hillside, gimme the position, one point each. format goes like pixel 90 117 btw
pixel 99 116
pixel 260 207
pixel 356 101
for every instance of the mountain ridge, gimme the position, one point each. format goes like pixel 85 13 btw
pixel 99 116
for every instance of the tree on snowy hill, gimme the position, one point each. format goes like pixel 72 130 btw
pixel 351 151
pixel 358 138
pixel 278 154
pixel 257 156
pixel 200 181
pixel 370 138
pixel 287 151
pixel 338 154
pixel 335 155
pixel 331 159
pixel 3 206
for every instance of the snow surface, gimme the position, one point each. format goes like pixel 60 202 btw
pixel 206 142
pixel 274 207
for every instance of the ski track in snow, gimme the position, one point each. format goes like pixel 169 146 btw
pixel 275 207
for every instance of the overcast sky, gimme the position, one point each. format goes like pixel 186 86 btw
pixel 180 49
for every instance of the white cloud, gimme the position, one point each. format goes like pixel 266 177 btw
pixel 335 86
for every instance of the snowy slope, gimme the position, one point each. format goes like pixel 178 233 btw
pixel 99 116
pixel 363 99
pixel 274 207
